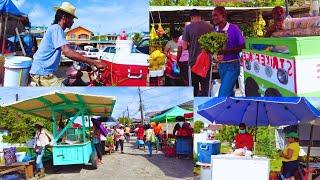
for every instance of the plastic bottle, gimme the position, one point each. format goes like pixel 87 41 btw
pixel 314 8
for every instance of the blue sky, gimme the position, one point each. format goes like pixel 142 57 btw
pixel 103 16
pixel 200 100
pixel 154 99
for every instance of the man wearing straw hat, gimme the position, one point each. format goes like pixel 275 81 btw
pixel 47 58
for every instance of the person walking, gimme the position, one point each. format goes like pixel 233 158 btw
pixel 150 138
pixel 42 141
pixel 119 137
pixel 191 35
pixel 97 142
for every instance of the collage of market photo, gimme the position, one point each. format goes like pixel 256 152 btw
pixel 160 89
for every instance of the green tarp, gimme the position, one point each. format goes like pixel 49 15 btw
pixel 170 115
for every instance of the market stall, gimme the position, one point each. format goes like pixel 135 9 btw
pixel 182 145
pixel 57 106
pixel 258 111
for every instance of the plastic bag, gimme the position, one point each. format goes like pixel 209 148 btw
pixel 175 69
pixel 202 64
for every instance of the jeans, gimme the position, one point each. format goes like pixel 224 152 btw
pixel 98 150
pixel 149 144
pixel 229 73
pixel 120 142
pixel 39 163
pixel 158 141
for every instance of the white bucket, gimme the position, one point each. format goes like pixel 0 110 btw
pixel 16 71
pixel 20 156
pixel 205 173
pixel 123 47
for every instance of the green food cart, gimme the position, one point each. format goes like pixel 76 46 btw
pixel 57 106
pixel 288 66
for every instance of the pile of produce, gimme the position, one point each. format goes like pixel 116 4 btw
pixel 213 42
pixel 157 60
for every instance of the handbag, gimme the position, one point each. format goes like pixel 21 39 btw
pixel 202 64
pixel 38 149
pixel 153 138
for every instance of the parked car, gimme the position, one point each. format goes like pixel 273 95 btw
pixel 74 47
pixel 93 53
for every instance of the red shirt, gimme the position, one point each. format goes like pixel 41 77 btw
pixel 140 133
pixel 244 140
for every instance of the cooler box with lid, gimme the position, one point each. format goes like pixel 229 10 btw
pixel 125 68
pixel 288 66
pixel 206 149
pixel 184 146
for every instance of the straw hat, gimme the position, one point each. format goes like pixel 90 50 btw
pixel 39 124
pixel 68 8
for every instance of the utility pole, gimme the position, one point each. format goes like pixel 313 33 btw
pixel 17 97
pixel 141 106
pixel 128 111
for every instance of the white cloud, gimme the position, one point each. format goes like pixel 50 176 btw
pixel 39 16
pixel 19 3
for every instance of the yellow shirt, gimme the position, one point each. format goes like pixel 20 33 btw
pixel 295 148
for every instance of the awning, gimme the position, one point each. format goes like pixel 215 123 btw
pixel 65 105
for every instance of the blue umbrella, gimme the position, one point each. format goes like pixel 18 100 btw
pixel 259 111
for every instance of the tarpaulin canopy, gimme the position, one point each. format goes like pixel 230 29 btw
pixel 170 115
pixel 65 105
pixel 7 6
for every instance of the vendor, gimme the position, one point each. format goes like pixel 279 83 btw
pixel 243 140
pixel 183 134
pixel 171 51
pixel 47 58
pixel 229 57
pixel 278 16
pixel 289 156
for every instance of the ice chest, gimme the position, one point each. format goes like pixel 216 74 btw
pixel 207 148
pixel 130 70
pixel 288 66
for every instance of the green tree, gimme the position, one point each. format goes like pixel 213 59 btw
pixel 20 126
pixel 125 120
pixel 137 37
pixel 198 125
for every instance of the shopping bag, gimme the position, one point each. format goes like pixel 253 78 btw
pixel 202 64
pixel 175 69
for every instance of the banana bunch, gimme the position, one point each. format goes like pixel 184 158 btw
pixel 259 26
pixel 156 60
pixel 153 33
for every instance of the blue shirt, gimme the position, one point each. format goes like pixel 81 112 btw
pixel 47 58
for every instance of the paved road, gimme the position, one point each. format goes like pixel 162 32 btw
pixel 133 164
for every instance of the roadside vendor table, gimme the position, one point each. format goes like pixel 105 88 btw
pixel 315 166
pixel 26 167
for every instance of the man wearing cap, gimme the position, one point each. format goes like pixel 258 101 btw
pixel 289 156
pixel 47 58
pixel 191 35
pixel 228 58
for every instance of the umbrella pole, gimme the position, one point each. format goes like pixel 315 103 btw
pixel 287 8
pixel 210 81
pixel 309 146
pixel 167 126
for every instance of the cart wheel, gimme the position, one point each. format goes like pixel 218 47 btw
pixel 251 87
pixel 93 159
pixel 272 92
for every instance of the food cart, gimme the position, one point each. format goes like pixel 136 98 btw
pixel 57 106
pixel 286 66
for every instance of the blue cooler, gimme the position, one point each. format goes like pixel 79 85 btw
pixel 206 149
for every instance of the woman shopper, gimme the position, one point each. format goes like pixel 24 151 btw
pixel 289 156
pixel 42 140
pixel 119 136
pixel 97 142
pixel 150 138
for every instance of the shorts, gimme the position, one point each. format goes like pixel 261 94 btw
pixel 289 168
pixel 48 80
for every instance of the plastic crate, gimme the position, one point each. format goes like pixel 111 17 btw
pixel 184 146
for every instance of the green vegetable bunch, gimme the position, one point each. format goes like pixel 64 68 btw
pixel 213 42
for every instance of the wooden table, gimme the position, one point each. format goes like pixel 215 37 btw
pixel 26 167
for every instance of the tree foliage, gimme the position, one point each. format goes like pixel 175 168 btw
pixel 137 37
pixel 20 126
pixel 125 120
pixel 198 125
